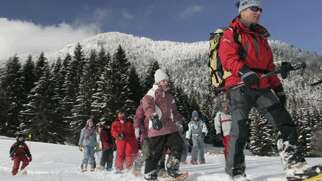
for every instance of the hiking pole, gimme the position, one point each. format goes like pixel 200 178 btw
pixel 316 83
pixel 294 67
pixel 279 70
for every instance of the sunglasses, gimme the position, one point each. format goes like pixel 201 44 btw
pixel 255 9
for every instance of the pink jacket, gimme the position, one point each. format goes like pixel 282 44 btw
pixel 156 101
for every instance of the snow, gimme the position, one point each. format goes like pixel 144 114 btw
pixel 53 162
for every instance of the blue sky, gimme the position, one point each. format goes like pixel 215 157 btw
pixel 296 22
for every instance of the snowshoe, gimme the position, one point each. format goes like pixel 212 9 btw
pixel 310 174
pixel 180 176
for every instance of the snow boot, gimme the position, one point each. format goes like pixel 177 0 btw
pixel 292 158
pixel 151 176
pixel 83 167
pixel 241 177
pixel 173 167
pixel 194 162
pixel 92 168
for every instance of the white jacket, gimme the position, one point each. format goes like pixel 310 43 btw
pixel 222 121
pixel 196 128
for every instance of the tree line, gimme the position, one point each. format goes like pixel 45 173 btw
pixel 51 102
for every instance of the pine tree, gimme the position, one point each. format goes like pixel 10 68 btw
pixel 104 98
pixel 262 142
pixel 135 86
pixel 78 64
pixel 69 88
pixel 304 127
pixel 12 87
pixel 57 81
pixel 82 108
pixel 121 70
pixel 4 108
pixel 149 78
pixel 40 110
pixel 29 76
pixel 41 62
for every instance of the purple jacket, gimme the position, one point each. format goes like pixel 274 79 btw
pixel 156 101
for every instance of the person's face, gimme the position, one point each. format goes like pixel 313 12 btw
pixel 164 84
pixel 121 115
pixel 20 138
pixel 251 14
pixel 226 109
pixel 90 124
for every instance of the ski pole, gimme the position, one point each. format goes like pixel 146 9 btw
pixel 316 83
pixel 279 70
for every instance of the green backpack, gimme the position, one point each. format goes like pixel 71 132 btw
pixel 218 74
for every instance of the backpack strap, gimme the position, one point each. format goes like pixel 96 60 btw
pixel 238 39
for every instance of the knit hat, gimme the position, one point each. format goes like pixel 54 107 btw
pixel 194 114
pixel 160 75
pixel 243 4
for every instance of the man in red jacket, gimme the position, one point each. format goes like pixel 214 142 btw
pixel 19 152
pixel 126 143
pixel 247 60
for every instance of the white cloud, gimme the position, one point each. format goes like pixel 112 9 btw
pixel 190 11
pixel 128 16
pixel 22 37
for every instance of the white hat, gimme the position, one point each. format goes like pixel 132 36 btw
pixel 243 4
pixel 160 75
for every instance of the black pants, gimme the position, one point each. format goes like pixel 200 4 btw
pixel 156 147
pixel 241 100
pixel 107 158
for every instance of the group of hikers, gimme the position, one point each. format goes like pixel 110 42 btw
pixel 157 127
pixel 157 124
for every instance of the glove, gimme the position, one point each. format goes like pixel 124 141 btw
pixel 81 147
pixel 97 148
pixel 121 136
pixel 249 77
pixel 156 122
pixel 29 159
pixel 203 135
pixel 286 67
pixel 279 91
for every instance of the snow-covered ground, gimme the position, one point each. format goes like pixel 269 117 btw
pixel 61 163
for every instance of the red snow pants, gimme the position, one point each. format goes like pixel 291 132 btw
pixel 16 164
pixel 226 143
pixel 126 151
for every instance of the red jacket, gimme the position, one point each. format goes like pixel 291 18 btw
pixel 126 128
pixel 106 139
pixel 19 149
pixel 259 54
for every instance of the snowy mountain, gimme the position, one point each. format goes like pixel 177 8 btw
pixel 61 163
pixel 187 63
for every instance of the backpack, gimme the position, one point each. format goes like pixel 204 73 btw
pixel 218 74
